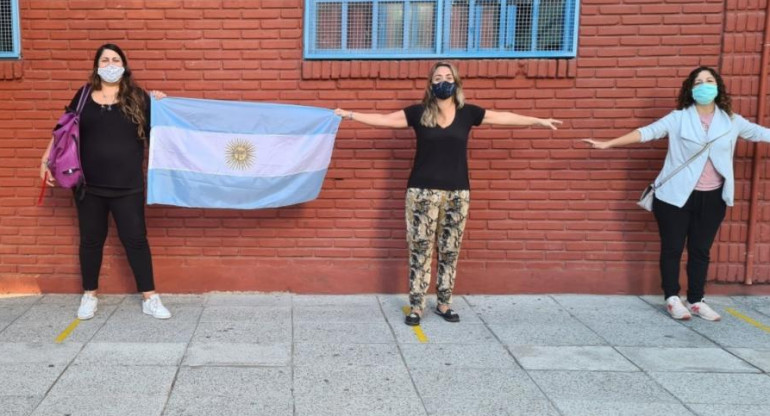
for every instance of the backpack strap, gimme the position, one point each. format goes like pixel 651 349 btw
pixel 83 97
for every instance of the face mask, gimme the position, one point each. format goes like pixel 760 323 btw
pixel 443 89
pixel 704 94
pixel 111 73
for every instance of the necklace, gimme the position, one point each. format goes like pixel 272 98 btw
pixel 110 100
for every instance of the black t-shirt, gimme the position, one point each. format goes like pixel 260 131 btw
pixel 111 152
pixel 441 160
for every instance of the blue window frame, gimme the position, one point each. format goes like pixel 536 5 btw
pixel 10 36
pixel 398 29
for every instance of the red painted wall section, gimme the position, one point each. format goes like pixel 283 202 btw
pixel 547 214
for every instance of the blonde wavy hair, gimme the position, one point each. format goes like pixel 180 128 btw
pixel 430 102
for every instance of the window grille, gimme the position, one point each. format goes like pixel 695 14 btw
pixel 397 29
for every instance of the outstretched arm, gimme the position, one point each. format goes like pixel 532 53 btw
pixel 501 118
pixel 395 120
pixel 629 138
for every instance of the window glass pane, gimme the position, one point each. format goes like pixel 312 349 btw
pixel 458 27
pixel 488 24
pixel 360 25
pixel 423 24
pixel 328 26
pixel 550 25
pixel 391 25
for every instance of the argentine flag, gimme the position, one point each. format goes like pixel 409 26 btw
pixel 230 154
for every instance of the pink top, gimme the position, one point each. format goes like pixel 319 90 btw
pixel 709 179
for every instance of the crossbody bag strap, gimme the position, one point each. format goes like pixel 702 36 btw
pixel 682 166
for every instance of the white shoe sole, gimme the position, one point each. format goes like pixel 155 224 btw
pixel 85 318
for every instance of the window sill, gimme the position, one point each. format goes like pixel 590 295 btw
pixel 418 69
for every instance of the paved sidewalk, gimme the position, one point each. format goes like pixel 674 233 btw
pixel 282 354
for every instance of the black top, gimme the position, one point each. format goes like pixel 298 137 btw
pixel 441 161
pixel 111 152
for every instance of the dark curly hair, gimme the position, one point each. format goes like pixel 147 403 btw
pixel 722 101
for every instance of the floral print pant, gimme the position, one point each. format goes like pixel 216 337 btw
pixel 434 216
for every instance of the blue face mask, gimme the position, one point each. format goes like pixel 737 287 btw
pixel 444 89
pixel 705 94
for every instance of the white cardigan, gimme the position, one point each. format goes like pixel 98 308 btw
pixel 686 137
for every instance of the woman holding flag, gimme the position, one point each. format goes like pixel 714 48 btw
pixel 114 127
pixel 438 190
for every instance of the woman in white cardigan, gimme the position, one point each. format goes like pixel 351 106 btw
pixel 691 205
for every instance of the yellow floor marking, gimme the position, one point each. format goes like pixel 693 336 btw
pixel 741 316
pixel 64 334
pixel 417 330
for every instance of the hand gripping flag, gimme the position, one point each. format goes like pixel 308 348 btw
pixel 229 154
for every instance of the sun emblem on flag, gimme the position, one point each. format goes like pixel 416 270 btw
pixel 240 154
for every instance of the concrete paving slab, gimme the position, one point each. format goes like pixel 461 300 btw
pixel 242 332
pixel 507 310
pixel 37 352
pixel 338 313
pixel 602 303
pixel 273 314
pixel 718 388
pixel 382 381
pixel 101 405
pixel 233 382
pixel 349 333
pixel 475 383
pixel 238 354
pixel 44 322
pixel 131 354
pixel 355 405
pixel 569 332
pixel 730 410
pixel 249 299
pixel 129 324
pixel 759 358
pixel 733 332
pixel 451 356
pixel 445 333
pixel 8 314
pixel 346 355
pixel 601 387
pixel 751 301
pixel 592 408
pixel 19 405
pixel 31 379
pixel 486 406
pixel 100 380
pixel 180 405
pixel 335 300
pixel 682 360
pixel 671 334
pixel 588 358
pixel 18 299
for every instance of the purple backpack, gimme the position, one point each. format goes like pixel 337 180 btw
pixel 64 159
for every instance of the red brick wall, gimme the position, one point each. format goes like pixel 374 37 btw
pixel 546 214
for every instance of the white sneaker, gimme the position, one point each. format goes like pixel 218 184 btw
pixel 676 309
pixel 87 307
pixel 703 310
pixel 153 306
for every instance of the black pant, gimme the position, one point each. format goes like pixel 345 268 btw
pixel 128 212
pixel 697 222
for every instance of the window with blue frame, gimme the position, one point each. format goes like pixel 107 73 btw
pixel 397 29
pixel 10 44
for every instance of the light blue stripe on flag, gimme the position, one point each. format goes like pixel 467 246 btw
pixel 224 154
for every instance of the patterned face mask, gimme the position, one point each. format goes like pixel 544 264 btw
pixel 444 89
pixel 111 73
